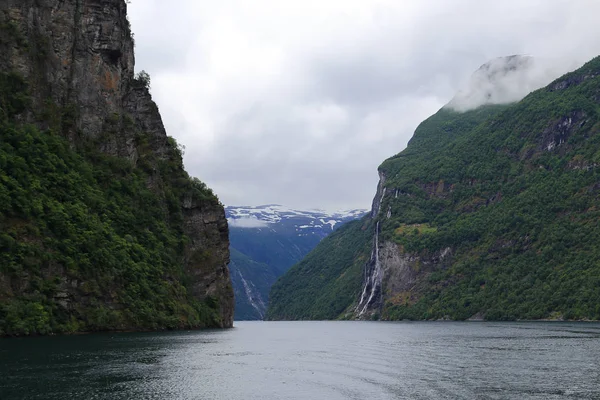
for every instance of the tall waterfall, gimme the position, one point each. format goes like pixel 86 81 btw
pixel 371 293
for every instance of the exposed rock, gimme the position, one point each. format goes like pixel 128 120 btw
pixel 391 274
pixel 477 317
pixel 371 298
pixel 78 59
pixel 207 255
pixel 381 189
pixel 439 189
pixel 400 270
pixel 78 53
pixel 559 132
pixel 496 221
pixel 571 80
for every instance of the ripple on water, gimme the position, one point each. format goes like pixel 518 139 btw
pixel 312 360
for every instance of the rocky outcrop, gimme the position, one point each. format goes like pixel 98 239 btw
pixel 404 272
pixel 558 133
pixel 381 189
pixel 393 275
pixel 75 54
pixel 371 298
pixel 207 256
pixel 77 57
pixel 489 213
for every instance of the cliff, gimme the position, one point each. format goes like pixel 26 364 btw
pixel 102 227
pixel 489 213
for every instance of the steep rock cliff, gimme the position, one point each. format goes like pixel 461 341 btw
pixel 68 70
pixel 490 212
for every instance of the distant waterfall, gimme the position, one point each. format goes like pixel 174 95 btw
pixel 258 305
pixel 373 277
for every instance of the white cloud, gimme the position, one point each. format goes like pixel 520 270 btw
pixel 506 80
pixel 246 222
pixel 298 102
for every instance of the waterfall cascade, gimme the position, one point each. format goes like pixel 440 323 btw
pixel 371 293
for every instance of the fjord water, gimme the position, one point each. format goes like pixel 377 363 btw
pixel 312 360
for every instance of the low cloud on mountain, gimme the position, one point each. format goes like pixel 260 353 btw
pixel 246 222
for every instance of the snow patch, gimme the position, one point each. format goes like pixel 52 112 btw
pixel 274 213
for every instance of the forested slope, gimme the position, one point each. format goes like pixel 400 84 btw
pixel 101 228
pixel 491 213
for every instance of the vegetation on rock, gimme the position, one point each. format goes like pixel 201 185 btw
pixel 511 193
pixel 85 243
pixel 327 281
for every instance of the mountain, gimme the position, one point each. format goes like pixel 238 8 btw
pixel 266 241
pixel 101 228
pixel 251 284
pixel 489 213
pixel 503 80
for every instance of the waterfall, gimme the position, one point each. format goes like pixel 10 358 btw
pixel 260 307
pixel 371 292
pixel 378 196
pixel 373 275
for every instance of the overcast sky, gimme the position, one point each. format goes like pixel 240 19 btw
pixel 298 102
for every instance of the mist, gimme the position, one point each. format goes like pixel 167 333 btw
pixel 505 80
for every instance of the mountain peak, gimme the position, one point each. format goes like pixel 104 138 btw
pixel 256 216
pixel 502 80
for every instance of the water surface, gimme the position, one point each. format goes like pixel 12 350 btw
pixel 312 360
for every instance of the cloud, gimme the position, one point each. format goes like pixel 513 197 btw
pixel 505 80
pixel 246 222
pixel 298 102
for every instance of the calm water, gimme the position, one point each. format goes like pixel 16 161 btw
pixel 312 360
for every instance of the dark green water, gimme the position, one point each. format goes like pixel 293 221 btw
pixel 312 360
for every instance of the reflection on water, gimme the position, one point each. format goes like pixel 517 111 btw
pixel 312 360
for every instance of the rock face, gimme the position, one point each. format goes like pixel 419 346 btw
pixel 78 53
pixel 207 256
pixel 77 59
pixel 489 213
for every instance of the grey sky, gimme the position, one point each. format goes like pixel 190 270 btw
pixel 298 102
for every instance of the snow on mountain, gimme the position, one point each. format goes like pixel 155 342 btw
pixel 266 215
pixel 266 241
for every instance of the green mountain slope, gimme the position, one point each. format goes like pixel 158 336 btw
pixel 101 228
pixel 327 280
pixel 492 213
pixel 266 241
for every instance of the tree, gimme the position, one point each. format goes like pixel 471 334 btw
pixel 142 78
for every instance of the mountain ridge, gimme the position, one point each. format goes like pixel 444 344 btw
pixel 489 213
pixel 271 213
